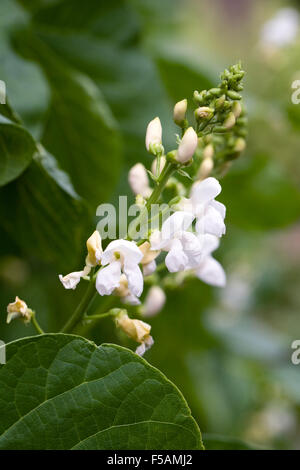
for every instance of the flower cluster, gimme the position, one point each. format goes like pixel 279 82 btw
pixel 182 241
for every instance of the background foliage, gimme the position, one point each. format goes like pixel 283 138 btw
pixel 83 80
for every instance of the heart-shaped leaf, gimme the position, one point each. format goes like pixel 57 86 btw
pixel 63 392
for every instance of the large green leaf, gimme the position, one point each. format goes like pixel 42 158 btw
pixel 63 392
pixel 80 129
pixel 17 148
pixel 41 213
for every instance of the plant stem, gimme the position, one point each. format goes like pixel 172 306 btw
pixel 81 308
pixel 36 325
pixel 99 316
pixel 167 171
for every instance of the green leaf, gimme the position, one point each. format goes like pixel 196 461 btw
pixel 63 392
pixel 17 148
pixel 217 442
pixel 42 215
pixel 80 129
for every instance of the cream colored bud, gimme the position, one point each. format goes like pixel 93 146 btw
pixel 149 255
pixel 138 180
pixel 229 121
pixel 208 151
pixel 237 109
pixel 154 301
pixel 204 112
pixel 162 163
pixel 240 145
pixel 187 146
pixel 94 247
pixel 18 309
pixel 180 112
pixel 153 133
pixel 137 330
pixel 205 168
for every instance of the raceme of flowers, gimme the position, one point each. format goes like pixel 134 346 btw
pixel 185 240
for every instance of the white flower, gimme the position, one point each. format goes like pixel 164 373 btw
pixel 282 29
pixel 209 213
pixel 209 269
pixel 138 180
pixel 153 133
pixel 184 248
pixel 154 301
pixel 120 256
pixel 187 146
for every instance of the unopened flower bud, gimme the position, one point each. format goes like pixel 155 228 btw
pixel 204 112
pixel 18 309
pixel 180 112
pixel 208 152
pixel 240 145
pixel 237 109
pixel 138 180
pixel 154 301
pixel 153 135
pixel 205 168
pixel 220 102
pixel 187 146
pixel 94 248
pixel 229 121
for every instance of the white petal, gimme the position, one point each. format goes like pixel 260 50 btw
pixel 210 243
pixel 176 260
pixel 149 268
pixel 71 280
pixel 134 278
pixel 156 240
pixel 193 248
pixel 108 278
pixel 219 207
pixel 131 299
pixel 145 346
pixel 178 222
pixel 211 272
pixel 212 222
pixel 154 301
pixel 204 191
pixel 128 249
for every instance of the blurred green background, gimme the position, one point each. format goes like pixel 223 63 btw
pixel 86 78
